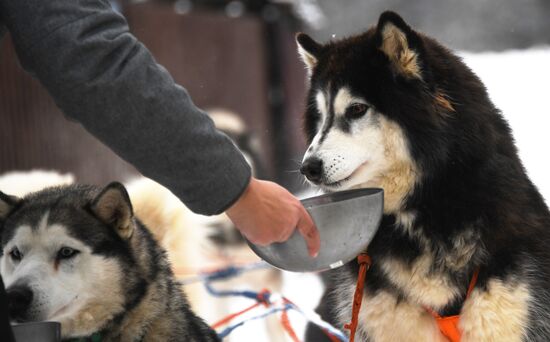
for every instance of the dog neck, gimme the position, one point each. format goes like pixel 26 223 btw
pixel 397 182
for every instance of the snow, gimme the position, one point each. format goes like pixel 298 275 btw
pixel 517 82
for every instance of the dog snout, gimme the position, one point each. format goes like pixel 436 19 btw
pixel 19 301
pixel 312 168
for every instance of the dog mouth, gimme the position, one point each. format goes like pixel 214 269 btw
pixel 339 183
pixel 62 310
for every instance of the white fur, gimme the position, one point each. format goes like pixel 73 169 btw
pixel 498 314
pixel 322 106
pixel 388 319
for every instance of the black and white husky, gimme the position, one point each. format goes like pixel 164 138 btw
pixel 392 108
pixel 77 255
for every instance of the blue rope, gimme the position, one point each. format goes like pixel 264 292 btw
pixel 230 328
pixel 217 293
pixel 233 271
pixel 225 273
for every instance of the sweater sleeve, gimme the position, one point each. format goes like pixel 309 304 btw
pixel 100 75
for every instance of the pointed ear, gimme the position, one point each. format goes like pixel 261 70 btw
pixel 400 44
pixel 7 204
pixel 309 50
pixel 113 207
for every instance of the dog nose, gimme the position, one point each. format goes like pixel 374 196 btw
pixel 312 168
pixel 19 301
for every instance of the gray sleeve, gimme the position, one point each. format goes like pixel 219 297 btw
pixel 101 76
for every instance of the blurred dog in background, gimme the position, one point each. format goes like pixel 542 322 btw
pixel 198 243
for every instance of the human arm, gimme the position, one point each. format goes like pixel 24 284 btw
pixel 100 75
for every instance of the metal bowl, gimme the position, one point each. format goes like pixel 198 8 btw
pixel 37 332
pixel 347 222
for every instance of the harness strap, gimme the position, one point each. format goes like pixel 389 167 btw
pixel 449 325
pixel 473 283
pixel 471 287
pixel 364 264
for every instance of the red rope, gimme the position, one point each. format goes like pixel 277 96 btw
pixel 262 299
pixel 285 322
pixel 364 264
pixel 331 337
pixel 472 283
pixel 228 318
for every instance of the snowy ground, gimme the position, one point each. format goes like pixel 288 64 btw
pixel 517 83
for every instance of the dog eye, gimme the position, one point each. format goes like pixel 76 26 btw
pixel 356 110
pixel 66 253
pixel 15 254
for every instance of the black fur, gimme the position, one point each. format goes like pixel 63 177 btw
pixel 471 175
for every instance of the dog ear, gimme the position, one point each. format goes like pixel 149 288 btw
pixel 400 44
pixel 309 50
pixel 7 205
pixel 113 207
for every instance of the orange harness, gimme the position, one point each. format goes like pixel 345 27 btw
pixel 448 325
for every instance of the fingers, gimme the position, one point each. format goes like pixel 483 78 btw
pixel 307 229
pixel 259 237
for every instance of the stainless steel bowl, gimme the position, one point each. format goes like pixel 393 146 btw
pixel 347 222
pixel 37 332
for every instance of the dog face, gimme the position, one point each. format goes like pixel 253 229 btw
pixel 372 101
pixel 63 255
pixel 351 144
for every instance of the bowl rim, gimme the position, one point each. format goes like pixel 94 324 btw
pixel 339 196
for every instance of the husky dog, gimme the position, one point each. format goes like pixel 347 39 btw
pixel 392 108
pixel 77 255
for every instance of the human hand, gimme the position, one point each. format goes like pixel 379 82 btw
pixel 267 213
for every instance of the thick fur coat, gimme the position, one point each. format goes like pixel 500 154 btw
pixel 392 108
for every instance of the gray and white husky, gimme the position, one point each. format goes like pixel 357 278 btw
pixel 77 255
